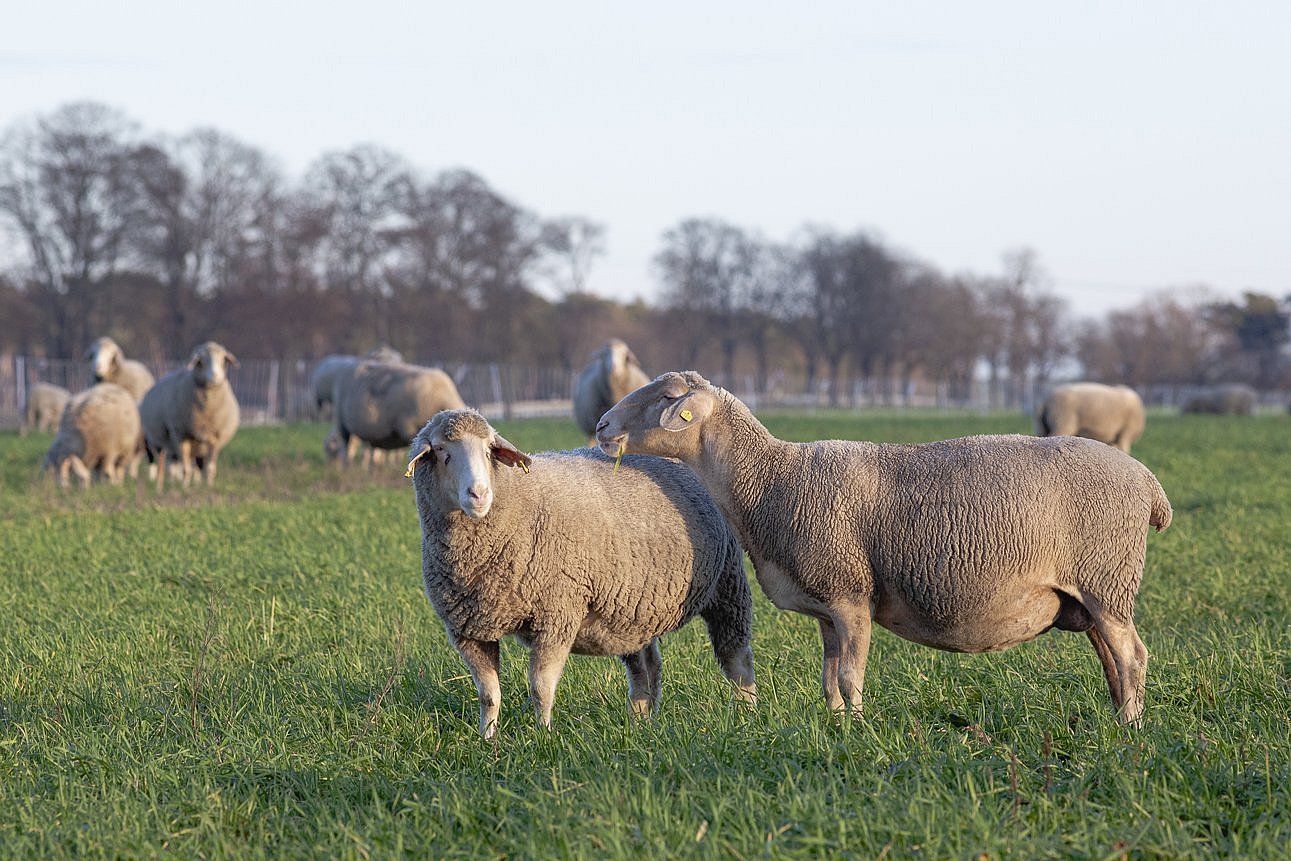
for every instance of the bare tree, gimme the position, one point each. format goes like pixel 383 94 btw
pixel 571 244
pixel 67 188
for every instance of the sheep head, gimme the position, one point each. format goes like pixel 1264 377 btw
pixel 104 356
pixel 453 459
pixel 210 364
pixel 663 417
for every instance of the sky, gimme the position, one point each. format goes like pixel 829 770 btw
pixel 1135 147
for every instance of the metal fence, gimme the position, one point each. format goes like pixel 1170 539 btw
pixel 270 391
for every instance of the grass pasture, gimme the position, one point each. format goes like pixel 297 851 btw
pixel 255 672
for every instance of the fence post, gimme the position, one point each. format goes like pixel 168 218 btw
pixel 271 401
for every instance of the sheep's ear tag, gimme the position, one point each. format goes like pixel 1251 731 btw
pixel 686 415
pixel 412 464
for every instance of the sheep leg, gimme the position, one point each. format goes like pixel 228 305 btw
pixel 208 469
pixel 82 471
pixel 1109 665
pixel 186 460
pixel 643 678
pixel 481 658
pixel 546 663
pixel 1131 658
pixel 829 665
pixel 852 625
pixel 731 647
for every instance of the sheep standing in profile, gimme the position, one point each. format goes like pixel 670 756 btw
pixel 99 432
pixel 191 414
pixel 612 372
pixel 111 366
pixel 1110 414
pixel 44 407
pixel 386 404
pixel 968 545
pixel 566 554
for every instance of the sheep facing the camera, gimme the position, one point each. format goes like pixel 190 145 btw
pixel 1230 399
pixel 568 555
pixel 968 545
pixel 44 407
pixel 1110 414
pixel 612 372
pixel 386 404
pixel 99 433
pixel 191 414
pixel 110 365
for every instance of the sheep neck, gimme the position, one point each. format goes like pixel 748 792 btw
pixel 734 453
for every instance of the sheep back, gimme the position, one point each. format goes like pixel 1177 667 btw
pixel 1233 399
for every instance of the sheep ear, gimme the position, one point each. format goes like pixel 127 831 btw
pixel 685 412
pixel 231 359
pixel 508 454
pixel 192 362
pixel 412 462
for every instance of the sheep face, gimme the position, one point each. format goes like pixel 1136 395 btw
pixel 454 457
pixel 210 364
pixel 661 418
pixel 104 357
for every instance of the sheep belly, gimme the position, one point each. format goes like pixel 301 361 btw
pixel 1011 617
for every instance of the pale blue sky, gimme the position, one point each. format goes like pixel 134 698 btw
pixel 1134 146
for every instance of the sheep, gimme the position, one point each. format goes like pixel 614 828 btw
pixel 571 555
pixel 1110 414
pixel 1230 399
pixel 612 372
pixel 99 431
pixel 191 414
pixel 969 545
pixel 386 404
pixel 111 366
pixel 323 378
pixel 44 406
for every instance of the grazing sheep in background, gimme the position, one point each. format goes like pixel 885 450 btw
pixel 1110 414
pixel 44 407
pixel 100 432
pixel 968 545
pixel 111 366
pixel 568 555
pixel 323 378
pixel 1232 399
pixel 191 414
pixel 612 373
pixel 385 405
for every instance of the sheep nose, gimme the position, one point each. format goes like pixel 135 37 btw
pixel 477 491
pixel 602 425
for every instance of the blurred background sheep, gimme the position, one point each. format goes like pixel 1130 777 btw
pixel 99 433
pixel 43 407
pixel 612 372
pixel 110 365
pixel 191 414
pixel 1232 399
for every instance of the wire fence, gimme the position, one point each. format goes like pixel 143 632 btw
pixel 270 391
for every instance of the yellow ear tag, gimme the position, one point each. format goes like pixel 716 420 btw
pixel 622 447
pixel 525 467
pixel 412 464
pixel 687 415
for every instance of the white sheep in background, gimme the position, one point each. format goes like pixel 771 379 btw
pixel 99 432
pixel 968 545
pixel 565 554
pixel 110 365
pixel 612 372
pixel 385 405
pixel 44 407
pixel 191 414
pixel 1110 414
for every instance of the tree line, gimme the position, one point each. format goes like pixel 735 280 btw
pixel 162 242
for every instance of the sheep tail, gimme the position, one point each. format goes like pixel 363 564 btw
pixel 1162 513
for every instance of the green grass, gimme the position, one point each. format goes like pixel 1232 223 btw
pixel 254 672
